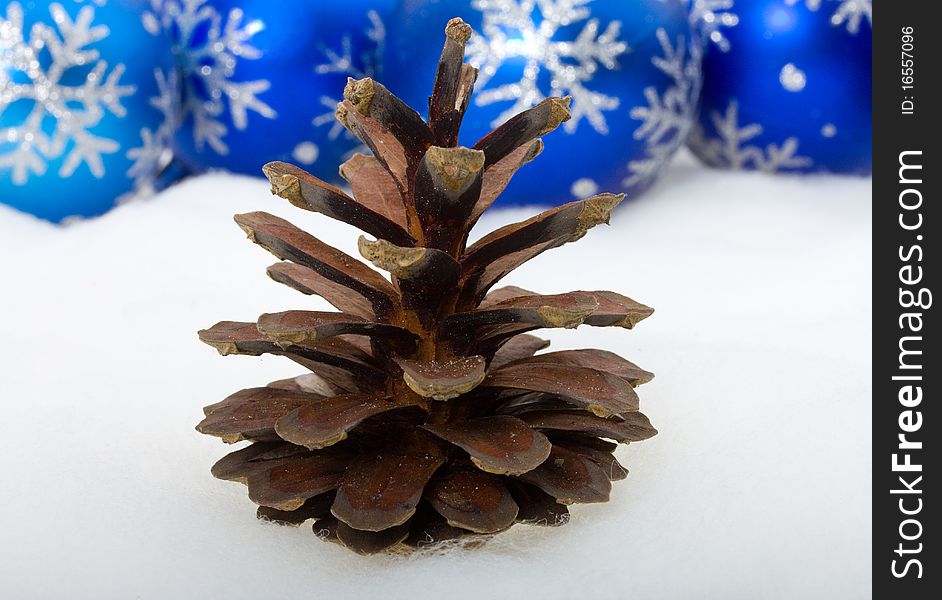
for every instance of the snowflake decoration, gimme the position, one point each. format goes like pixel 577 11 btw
pixel 730 150
pixel 209 66
pixel 74 109
pixel 367 64
pixel 848 12
pixel 510 31
pixel 851 12
pixel 667 118
pixel 154 153
pixel 707 18
pixel 369 60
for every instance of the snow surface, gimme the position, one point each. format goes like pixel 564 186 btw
pixel 758 485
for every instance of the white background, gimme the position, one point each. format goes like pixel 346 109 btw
pixel 758 485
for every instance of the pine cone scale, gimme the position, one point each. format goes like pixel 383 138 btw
pixel 597 359
pixel 305 191
pixel 251 414
pixel 289 484
pixel 570 478
pixel 310 282
pixel 388 150
pixel 317 507
pixel 287 242
pixel 371 99
pixel 244 338
pixel 324 423
pixel 519 347
pixel 454 82
pixel 374 188
pixel 524 128
pixel 473 501
pixel 382 489
pixel 633 427
pixel 500 444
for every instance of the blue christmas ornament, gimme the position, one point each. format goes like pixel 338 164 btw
pixel 85 117
pixel 632 69
pixel 788 88
pixel 261 80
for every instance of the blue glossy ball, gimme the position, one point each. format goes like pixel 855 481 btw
pixel 631 67
pixel 261 80
pixel 793 90
pixel 79 128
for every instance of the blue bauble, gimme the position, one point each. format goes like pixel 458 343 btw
pixel 791 91
pixel 261 79
pixel 631 67
pixel 84 119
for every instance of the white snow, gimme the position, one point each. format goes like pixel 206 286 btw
pixel 758 485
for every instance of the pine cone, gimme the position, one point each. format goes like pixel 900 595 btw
pixel 428 414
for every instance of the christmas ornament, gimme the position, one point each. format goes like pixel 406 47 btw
pixel 630 67
pixel 258 78
pixel 789 88
pixel 429 414
pixel 86 115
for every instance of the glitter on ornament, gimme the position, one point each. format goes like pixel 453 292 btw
pixel 155 152
pixel 666 120
pixel 730 150
pixel 328 118
pixel 708 17
pixel 306 153
pixel 209 61
pixel 792 78
pixel 511 30
pixel 790 70
pixel 367 63
pixel 75 109
pixel 583 188
pixel 849 13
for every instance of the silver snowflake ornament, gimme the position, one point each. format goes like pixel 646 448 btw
pixel 74 108
pixel 155 152
pixel 847 13
pixel 366 63
pixel 708 19
pixel 527 30
pixel 209 63
pixel 731 148
pixel 667 118
pixel 343 60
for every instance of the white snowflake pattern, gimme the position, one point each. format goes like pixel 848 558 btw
pixel 370 58
pixel 74 109
pixel 366 64
pixel 667 118
pixel 329 118
pixel 511 30
pixel 155 154
pixel 731 150
pixel 210 64
pixel 707 18
pixel 849 13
